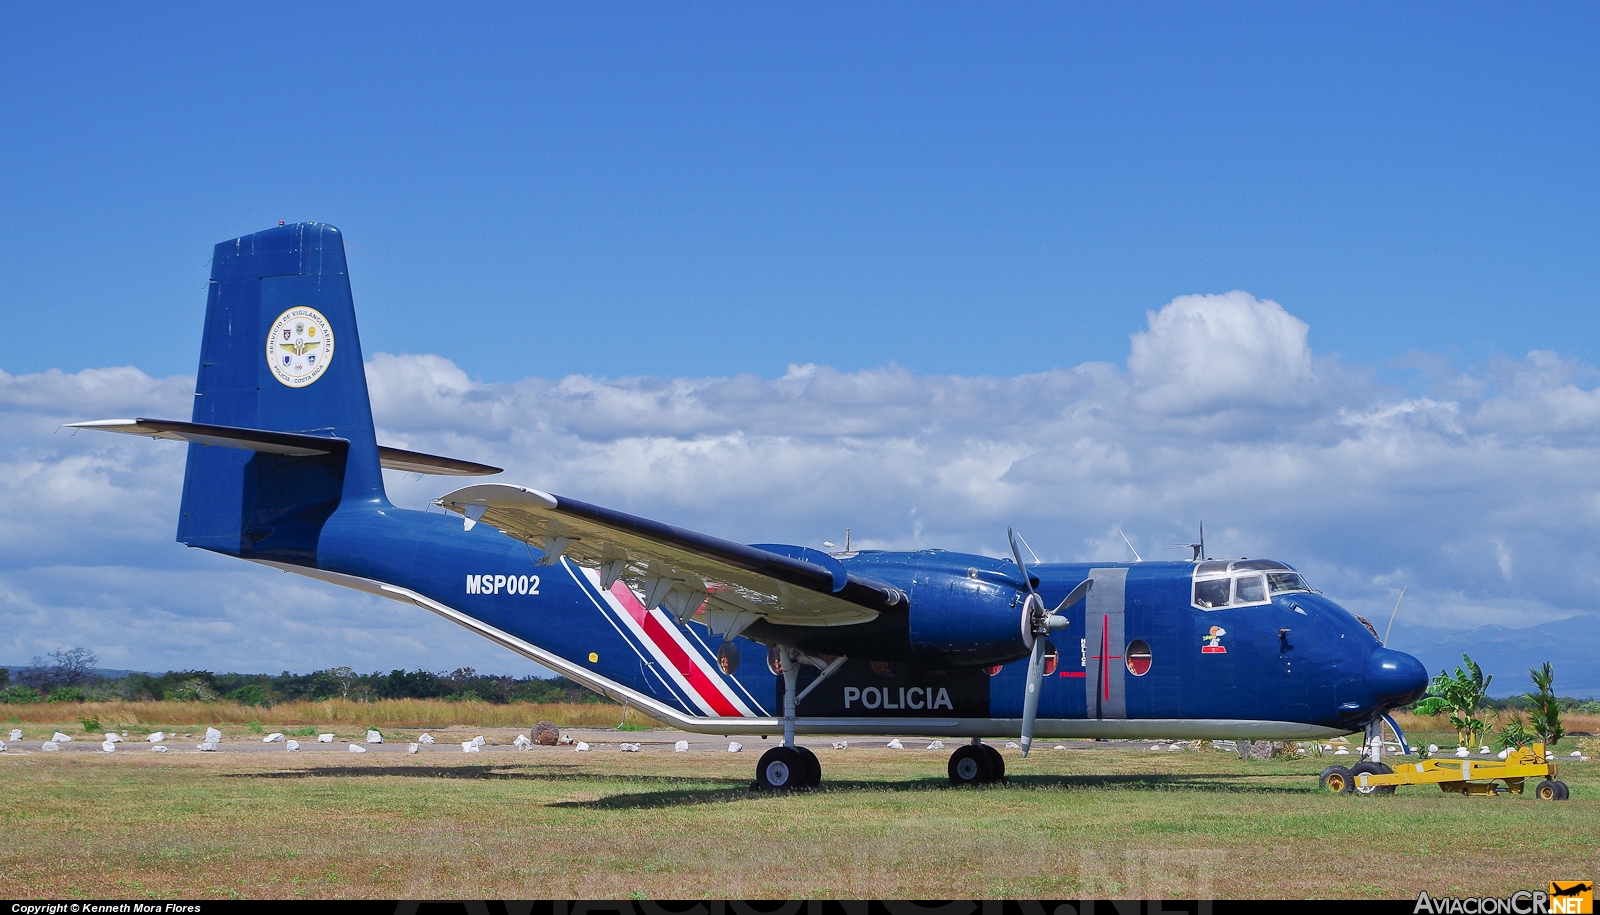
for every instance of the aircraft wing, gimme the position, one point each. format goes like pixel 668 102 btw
pixel 684 571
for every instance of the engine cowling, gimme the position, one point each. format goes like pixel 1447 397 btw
pixel 967 618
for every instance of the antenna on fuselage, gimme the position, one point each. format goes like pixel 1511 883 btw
pixel 1199 548
pixel 1136 556
pixel 1392 614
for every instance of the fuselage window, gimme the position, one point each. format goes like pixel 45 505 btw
pixel 1213 593
pixel 1138 655
pixel 728 658
pixel 1250 589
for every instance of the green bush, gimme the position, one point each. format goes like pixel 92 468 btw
pixel 249 694
pixel 92 725
pixel 19 695
pixel 1546 717
pixel 1514 733
pixel 68 694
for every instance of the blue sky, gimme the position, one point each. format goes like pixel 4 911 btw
pixel 703 190
pixel 769 271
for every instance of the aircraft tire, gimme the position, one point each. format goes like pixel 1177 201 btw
pixel 1337 780
pixel 813 767
pixel 1370 768
pixel 781 769
pixel 969 765
pixel 997 764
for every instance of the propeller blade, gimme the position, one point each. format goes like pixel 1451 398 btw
pixel 1016 554
pixel 1077 594
pixel 1030 701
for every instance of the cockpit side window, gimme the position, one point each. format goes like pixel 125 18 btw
pixel 1211 594
pixel 1249 589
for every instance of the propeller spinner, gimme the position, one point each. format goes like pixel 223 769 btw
pixel 1040 625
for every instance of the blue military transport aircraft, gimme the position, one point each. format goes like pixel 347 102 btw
pixel 726 638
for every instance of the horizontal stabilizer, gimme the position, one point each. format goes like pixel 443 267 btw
pixel 296 444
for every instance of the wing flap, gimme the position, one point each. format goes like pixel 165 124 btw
pixel 679 569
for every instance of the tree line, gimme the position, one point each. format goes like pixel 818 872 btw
pixel 73 676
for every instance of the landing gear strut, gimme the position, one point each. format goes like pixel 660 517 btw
pixel 790 766
pixel 976 763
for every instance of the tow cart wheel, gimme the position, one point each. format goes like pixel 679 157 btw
pixel 997 764
pixel 1336 780
pixel 781 769
pixel 1370 768
pixel 969 765
pixel 813 768
pixel 1551 789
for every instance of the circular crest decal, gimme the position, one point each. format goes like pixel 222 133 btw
pixel 299 346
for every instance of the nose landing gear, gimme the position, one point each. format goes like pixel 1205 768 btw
pixel 790 766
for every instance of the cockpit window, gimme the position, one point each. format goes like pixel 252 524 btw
pixel 1211 594
pixel 1280 582
pixel 1257 565
pixel 1250 589
pixel 1219 584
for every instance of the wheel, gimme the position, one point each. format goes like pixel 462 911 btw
pixel 1551 790
pixel 1336 780
pixel 813 768
pixel 969 765
pixel 997 763
pixel 1370 768
pixel 781 769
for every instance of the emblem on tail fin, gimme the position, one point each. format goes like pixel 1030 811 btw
pixel 299 346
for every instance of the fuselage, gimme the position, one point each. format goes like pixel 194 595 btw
pixel 1137 658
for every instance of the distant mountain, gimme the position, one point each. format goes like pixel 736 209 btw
pixel 1572 646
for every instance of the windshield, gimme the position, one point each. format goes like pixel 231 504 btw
pixel 1242 583
pixel 1286 581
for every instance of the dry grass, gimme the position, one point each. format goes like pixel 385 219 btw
pixel 1440 724
pixel 551 823
pixel 401 713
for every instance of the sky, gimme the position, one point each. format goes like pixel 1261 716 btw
pixel 1324 279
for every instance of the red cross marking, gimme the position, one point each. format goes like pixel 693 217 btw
pixel 1105 657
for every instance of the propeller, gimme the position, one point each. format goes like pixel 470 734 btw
pixel 1040 625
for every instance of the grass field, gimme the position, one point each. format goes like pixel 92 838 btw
pixel 144 717
pixel 1096 820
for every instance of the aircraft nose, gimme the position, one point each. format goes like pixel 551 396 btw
pixel 1395 678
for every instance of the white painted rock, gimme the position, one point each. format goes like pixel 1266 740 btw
pixel 1503 754
pixel 733 746
pixel 522 742
pixel 1549 755
pixel 213 735
pixel 895 744
pixel 413 747
pixel 357 748
pixel 425 738
pixel 2 746
pixel 1174 748
pixel 1013 745
pixel 291 745
pixel 113 737
pixel 209 746
pixel 157 737
pixel 841 744
pixel 1058 747
pixel 16 734
pixel 274 737
pixel 477 741
pixel 628 747
pixel 1484 750
pixel 1343 752
pixel 324 738
pixel 158 749
pixel 374 737
pixel 681 746
pixel 50 746
pixel 936 745
pixel 1433 748
pixel 1158 747
pixel 1463 751
pixel 1575 754
pixel 108 746
pixel 581 747
pixel 60 738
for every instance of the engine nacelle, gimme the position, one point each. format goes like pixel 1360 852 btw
pixel 967 618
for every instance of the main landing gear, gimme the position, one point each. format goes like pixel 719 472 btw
pixel 976 763
pixel 791 766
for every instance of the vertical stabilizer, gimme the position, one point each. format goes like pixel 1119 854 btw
pixel 280 353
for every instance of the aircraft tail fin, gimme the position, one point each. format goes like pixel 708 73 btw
pixel 280 355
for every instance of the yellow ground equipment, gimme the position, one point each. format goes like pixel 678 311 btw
pixel 1453 775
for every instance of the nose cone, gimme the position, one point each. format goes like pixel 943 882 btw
pixel 1395 679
